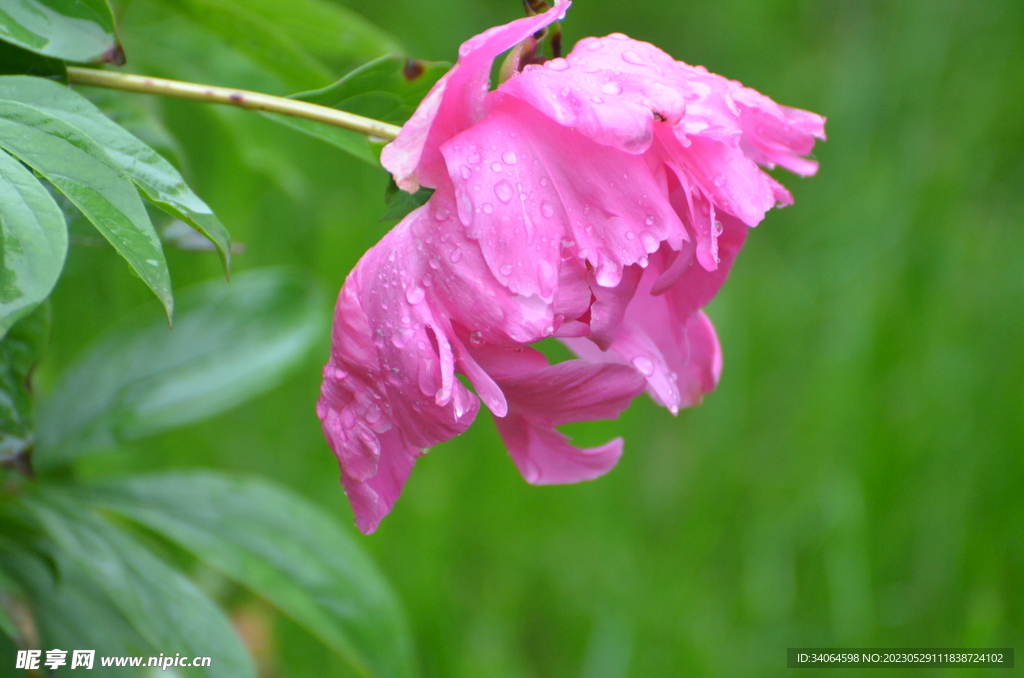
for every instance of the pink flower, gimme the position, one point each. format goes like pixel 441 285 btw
pixel 600 199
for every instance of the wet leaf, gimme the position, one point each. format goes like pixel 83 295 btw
pixel 75 30
pixel 79 168
pixel 158 180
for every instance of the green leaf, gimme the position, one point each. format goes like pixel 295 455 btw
pixel 141 116
pixel 17 61
pixel 388 89
pixel 160 604
pixel 19 352
pixel 80 169
pixel 75 30
pixel 71 611
pixel 158 180
pixel 401 203
pixel 331 32
pixel 260 40
pixel 282 548
pixel 231 342
pixel 35 241
pixel 351 142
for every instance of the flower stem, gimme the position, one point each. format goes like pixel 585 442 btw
pixel 145 84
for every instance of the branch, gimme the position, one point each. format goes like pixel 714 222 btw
pixel 232 97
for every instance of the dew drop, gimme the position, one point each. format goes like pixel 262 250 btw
pixel 716 228
pixel 644 364
pixel 558 64
pixel 631 57
pixel 414 294
pixel 466 172
pixel 719 180
pixel 509 157
pixel 506 269
pixel 650 243
pixel 630 235
pixel 543 181
pixel 547 210
pixel 597 99
pixel 455 256
pixel 612 88
pixel 649 220
pixel 496 167
pixel 503 190
pixel 488 208
pixel 476 338
pixel 594 46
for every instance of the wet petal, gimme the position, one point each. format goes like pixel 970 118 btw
pixel 529 208
pixel 543 396
pixel 610 89
pixel 455 102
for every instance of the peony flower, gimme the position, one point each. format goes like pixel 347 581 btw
pixel 599 199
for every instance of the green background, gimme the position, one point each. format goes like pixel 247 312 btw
pixel 854 481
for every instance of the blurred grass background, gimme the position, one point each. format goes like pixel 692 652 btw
pixel 856 478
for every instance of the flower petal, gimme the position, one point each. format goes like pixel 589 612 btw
pixel 529 208
pixel 543 396
pixel 666 339
pixel 455 102
pixel 610 89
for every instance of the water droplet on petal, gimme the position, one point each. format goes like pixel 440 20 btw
pixel 503 190
pixel 558 64
pixel 506 269
pixel 488 208
pixel 414 294
pixel 644 364
pixel 719 180
pixel 466 172
pixel 630 235
pixel 547 210
pixel 496 167
pixel 612 88
pixel 650 242
pixel 543 181
pixel 509 157
pixel 476 338
pixel 631 57
pixel 649 220
pixel 455 256
pixel 594 46
pixel 716 228
pixel 597 99
pixel 441 214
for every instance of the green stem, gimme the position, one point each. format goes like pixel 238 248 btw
pixel 232 97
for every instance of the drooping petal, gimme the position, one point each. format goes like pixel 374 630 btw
pixel 777 135
pixel 529 208
pixel 455 102
pixel 665 338
pixel 543 396
pixel 389 388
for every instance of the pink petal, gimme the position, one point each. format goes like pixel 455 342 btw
pixel 543 396
pixel 777 135
pixel 529 208
pixel 666 339
pixel 609 89
pixel 455 102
